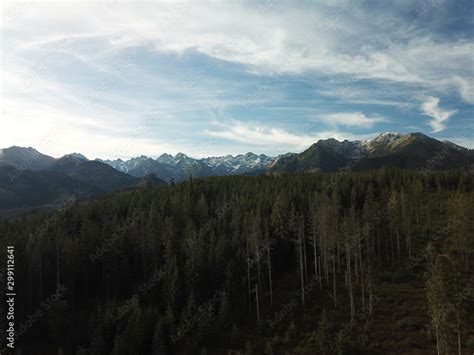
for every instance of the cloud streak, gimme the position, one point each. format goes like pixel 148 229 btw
pixel 268 41
pixel 270 137
pixel 439 116
pixel 344 63
pixel 352 119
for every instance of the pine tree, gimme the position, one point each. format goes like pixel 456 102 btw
pixel 160 346
pixel 323 333
pixel 370 220
pixel 406 219
pixel 439 305
pixel 269 263
pixel 224 311
pixel 348 227
pixel 394 218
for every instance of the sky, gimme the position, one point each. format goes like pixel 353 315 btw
pixel 114 79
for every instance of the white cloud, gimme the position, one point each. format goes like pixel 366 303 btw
pixel 439 116
pixel 260 135
pixel 351 119
pixel 334 39
pixel 266 40
pixel 52 130
pixel 463 142
pixel 271 138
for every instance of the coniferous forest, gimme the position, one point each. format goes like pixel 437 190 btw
pixel 313 263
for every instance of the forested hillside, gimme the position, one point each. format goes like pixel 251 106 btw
pixel 371 262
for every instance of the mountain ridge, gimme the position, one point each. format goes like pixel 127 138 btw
pixel 405 151
pixel 411 150
pixel 387 148
pixel 49 183
pixel 181 166
pixel 30 179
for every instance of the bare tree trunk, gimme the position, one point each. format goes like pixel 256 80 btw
pixel 338 258
pixel 107 297
pixel 321 251
pixel 30 288
pixel 417 219
pixel 192 251
pixel 336 232
pixel 374 247
pixel 349 280
pixel 269 267
pixel 320 274
pixel 398 246
pixel 84 284
pixel 57 264
pixel 72 295
pixel 437 339
pixel 334 280
pixel 326 258
pixel 429 224
pixel 257 302
pixel 351 297
pixel 325 247
pixel 465 251
pixel 361 269
pixel 407 228
pixel 301 263
pixel 356 266
pixel 315 251
pixel 391 244
pixel 144 263
pixel 459 335
pixel 370 296
pixel 248 276
pixel 304 258
pixel 257 254
pixel 378 246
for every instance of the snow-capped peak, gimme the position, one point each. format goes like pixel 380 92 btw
pixel 180 156
pixel 382 138
pixel 387 137
pixel 76 156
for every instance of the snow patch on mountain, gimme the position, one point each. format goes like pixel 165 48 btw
pixel 180 166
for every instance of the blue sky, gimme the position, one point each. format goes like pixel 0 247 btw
pixel 117 79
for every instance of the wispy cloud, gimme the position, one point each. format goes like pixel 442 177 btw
pixel 351 119
pixel 240 132
pixel 463 142
pixel 270 137
pixel 439 116
pixel 63 63
pixel 268 41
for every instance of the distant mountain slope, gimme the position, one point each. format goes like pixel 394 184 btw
pixel 25 158
pixel 30 189
pixel 94 173
pixel 325 155
pixel 42 180
pixel 406 151
pixel 181 166
pixel 151 180
pixel 142 166
pixel 414 151
pixel 39 181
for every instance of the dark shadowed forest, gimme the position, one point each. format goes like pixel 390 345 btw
pixel 338 263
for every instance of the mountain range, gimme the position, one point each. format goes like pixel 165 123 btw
pixel 180 166
pixel 30 179
pixel 405 151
